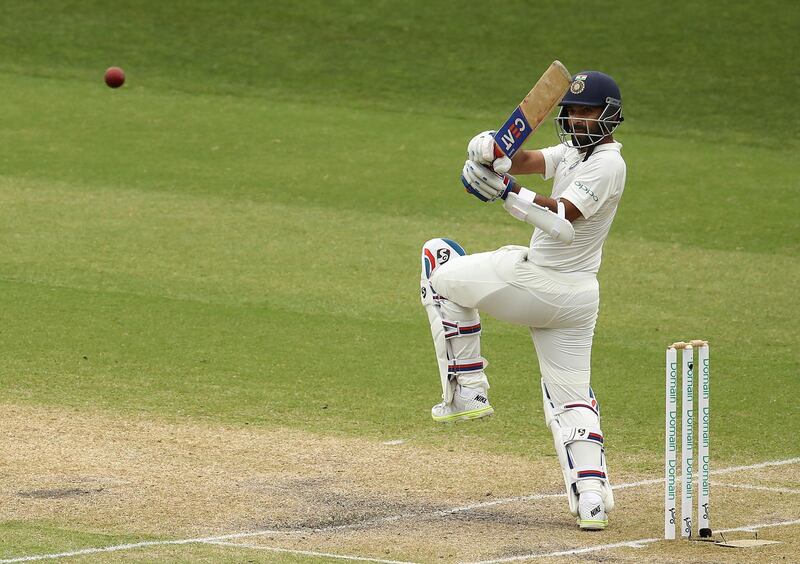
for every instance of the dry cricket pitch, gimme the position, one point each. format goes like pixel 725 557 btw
pixel 262 495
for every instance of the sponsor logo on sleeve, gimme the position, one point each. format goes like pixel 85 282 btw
pixel 588 191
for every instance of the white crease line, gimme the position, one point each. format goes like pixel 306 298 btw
pixel 627 485
pixel 379 521
pixel 756 466
pixel 625 544
pixel 309 553
pixel 129 546
pixel 753 487
pixel 752 528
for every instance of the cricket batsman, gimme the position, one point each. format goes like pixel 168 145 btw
pixel 549 286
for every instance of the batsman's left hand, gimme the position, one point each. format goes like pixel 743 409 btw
pixel 484 183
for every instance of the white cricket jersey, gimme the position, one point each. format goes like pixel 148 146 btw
pixel 595 187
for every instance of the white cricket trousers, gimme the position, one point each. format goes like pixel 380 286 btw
pixel 559 308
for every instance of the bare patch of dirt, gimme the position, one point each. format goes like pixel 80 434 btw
pixel 58 493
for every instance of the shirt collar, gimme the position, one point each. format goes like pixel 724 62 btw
pixel 613 146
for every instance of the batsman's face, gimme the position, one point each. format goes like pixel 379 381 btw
pixel 583 119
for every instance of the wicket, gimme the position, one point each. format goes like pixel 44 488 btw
pixel 688 426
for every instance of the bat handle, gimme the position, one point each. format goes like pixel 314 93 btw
pixel 497 152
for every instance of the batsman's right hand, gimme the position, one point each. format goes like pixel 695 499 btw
pixel 481 150
pixel 484 183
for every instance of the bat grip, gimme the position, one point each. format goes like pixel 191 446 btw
pixel 497 152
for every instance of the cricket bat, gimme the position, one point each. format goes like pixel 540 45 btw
pixel 532 111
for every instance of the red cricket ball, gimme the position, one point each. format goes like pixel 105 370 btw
pixel 115 77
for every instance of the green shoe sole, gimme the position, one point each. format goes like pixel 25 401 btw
pixel 592 524
pixel 465 415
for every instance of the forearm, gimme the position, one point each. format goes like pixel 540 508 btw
pixel 527 162
pixel 546 202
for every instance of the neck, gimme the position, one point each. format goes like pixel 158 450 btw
pixel 603 141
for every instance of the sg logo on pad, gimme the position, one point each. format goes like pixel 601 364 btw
pixel 442 256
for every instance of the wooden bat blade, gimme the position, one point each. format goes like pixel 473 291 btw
pixel 545 94
pixel 533 110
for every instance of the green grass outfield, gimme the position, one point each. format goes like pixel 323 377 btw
pixel 233 237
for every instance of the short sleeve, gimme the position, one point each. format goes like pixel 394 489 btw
pixel 593 187
pixel 552 158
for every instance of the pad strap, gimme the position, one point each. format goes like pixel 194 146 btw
pixel 578 405
pixel 466 365
pixel 458 328
pixel 589 473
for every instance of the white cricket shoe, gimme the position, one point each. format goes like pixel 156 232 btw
pixel 591 512
pixel 468 403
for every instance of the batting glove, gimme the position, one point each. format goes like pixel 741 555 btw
pixel 481 150
pixel 484 183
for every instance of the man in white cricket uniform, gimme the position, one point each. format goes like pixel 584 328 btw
pixel 550 286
